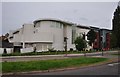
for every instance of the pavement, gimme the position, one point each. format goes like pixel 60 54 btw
pixel 49 57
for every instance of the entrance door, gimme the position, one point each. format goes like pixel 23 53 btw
pixel 17 48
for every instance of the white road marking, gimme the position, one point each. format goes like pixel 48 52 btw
pixel 113 64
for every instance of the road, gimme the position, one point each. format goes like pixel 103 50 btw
pixel 107 69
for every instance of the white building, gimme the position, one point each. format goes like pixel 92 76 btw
pixel 47 33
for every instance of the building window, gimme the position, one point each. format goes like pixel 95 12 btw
pixel 39 46
pixel 52 24
pixel 56 25
pixel 61 25
pixel 37 24
pixel 35 31
pixel 49 46
pixel 73 34
pixel 44 47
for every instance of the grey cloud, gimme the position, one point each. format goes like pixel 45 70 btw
pixel 83 19
pixel 14 14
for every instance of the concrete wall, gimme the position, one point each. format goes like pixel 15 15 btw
pixel 80 31
pixel 9 50
pixel 69 36
pixel 26 50
pixel 36 34
pixel 54 33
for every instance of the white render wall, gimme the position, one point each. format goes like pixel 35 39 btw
pixel 45 33
pixel 31 34
pixel 80 31
pixel 26 34
pixel 26 50
pixel 56 33
pixel 17 37
pixel 9 50
pixel 69 36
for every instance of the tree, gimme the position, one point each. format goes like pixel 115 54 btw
pixel 4 38
pixel 91 36
pixel 7 35
pixel 116 28
pixel 113 41
pixel 80 43
pixel 34 49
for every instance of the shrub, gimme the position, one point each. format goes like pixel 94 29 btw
pixel 51 50
pixel 71 49
pixel 80 43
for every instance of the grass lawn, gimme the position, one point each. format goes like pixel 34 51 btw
pixel 0 67
pixel 48 64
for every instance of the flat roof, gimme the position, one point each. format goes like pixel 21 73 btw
pixel 85 27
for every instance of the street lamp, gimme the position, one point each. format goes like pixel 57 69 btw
pixel 65 40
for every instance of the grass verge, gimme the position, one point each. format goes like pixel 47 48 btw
pixel 48 64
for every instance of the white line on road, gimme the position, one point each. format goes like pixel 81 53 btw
pixel 113 64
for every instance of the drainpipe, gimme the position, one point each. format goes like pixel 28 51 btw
pixel 23 45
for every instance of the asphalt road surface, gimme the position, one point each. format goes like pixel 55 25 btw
pixel 107 69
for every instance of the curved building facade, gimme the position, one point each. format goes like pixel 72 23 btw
pixel 46 34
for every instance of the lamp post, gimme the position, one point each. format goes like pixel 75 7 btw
pixel 23 46
pixel 65 40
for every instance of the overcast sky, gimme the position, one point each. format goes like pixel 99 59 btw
pixel 99 14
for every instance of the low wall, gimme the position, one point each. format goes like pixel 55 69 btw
pixel 26 50
pixel 39 51
pixel 9 50
pixel 23 50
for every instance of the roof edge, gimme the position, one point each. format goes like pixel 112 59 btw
pixel 51 19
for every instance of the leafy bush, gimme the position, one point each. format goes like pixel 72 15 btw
pixel 80 43
pixel 51 50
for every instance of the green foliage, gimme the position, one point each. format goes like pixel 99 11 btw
pixel 80 43
pixel 51 52
pixel 91 36
pixel 113 41
pixel 48 64
pixel 116 28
